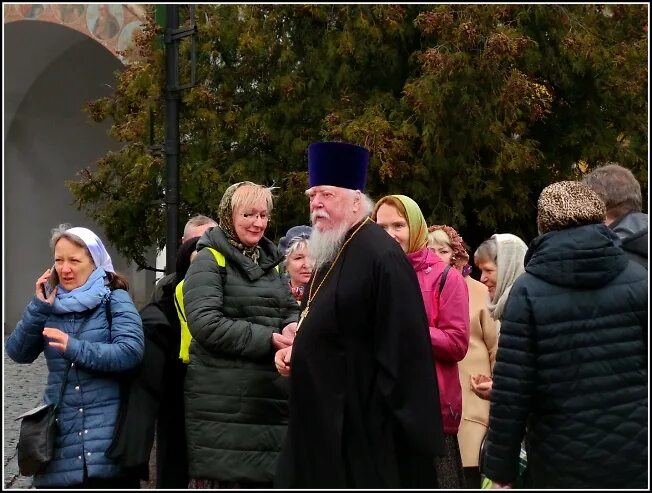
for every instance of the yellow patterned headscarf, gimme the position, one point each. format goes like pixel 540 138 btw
pixel 411 211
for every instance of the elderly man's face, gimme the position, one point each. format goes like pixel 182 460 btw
pixel 330 206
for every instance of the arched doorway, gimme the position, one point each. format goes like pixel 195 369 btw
pixel 51 70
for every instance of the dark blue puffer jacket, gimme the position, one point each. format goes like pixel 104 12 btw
pixel 87 415
pixel 571 366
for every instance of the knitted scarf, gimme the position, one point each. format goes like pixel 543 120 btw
pixel 85 297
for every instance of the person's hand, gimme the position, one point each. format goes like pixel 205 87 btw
pixel 279 341
pixel 500 486
pixel 481 386
pixel 282 361
pixel 290 330
pixel 40 288
pixel 58 339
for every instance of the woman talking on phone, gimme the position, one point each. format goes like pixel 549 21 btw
pixel 86 348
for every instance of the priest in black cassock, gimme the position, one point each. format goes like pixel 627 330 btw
pixel 364 403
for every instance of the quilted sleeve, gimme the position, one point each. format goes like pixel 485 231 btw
pixel 513 387
pixel 124 352
pixel 203 295
pixel 26 341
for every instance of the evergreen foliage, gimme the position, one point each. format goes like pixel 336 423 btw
pixel 470 109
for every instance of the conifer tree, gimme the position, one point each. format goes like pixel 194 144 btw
pixel 470 109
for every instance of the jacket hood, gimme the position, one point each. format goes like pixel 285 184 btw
pixel 422 259
pixel 270 256
pixel 585 256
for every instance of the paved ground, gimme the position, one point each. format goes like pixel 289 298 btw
pixel 22 390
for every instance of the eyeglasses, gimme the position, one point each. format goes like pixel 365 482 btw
pixel 250 216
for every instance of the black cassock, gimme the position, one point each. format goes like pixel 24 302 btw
pixel 364 402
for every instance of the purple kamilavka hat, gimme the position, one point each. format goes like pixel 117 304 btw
pixel 338 164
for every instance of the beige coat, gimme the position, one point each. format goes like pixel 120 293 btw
pixel 479 358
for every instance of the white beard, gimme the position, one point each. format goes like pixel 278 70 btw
pixel 324 245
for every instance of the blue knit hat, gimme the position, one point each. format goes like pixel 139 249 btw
pixel 295 233
pixel 338 164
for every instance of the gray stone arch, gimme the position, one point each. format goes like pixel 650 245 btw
pixel 50 71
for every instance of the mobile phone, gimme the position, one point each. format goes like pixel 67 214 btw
pixel 52 281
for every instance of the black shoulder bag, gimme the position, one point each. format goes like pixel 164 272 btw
pixel 133 435
pixel 38 431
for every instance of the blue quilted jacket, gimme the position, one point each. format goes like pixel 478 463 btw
pixel 571 369
pixel 88 411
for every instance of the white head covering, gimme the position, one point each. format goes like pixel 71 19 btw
pixel 510 254
pixel 99 254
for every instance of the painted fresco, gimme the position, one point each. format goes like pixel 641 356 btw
pixel 111 25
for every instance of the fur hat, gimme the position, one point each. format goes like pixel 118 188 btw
pixel 294 234
pixel 567 204
pixel 338 164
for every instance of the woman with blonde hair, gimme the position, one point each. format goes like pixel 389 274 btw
pixel 239 313
pixel 481 355
pixel 446 300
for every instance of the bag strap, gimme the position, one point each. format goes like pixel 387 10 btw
pixel 63 386
pixel 65 375
pixel 107 309
pixel 443 278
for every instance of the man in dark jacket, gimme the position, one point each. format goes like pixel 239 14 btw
pixel 620 191
pixel 571 367
pixel 194 228
pixel 155 391
pixel 364 404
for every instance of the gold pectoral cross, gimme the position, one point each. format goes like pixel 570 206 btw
pixel 304 314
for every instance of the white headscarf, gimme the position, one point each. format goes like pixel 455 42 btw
pixel 99 254
pixel 510 254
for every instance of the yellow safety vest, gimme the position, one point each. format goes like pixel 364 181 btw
pixel 184 349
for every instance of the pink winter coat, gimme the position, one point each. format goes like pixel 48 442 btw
pixel 448 319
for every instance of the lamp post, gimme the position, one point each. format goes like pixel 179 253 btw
pixel 172 38
pixel 171 136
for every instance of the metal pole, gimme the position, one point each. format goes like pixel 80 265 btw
pixel 171 136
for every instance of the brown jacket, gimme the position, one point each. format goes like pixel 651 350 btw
pixel 479 358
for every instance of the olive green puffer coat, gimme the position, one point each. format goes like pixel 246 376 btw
pixel 236 402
